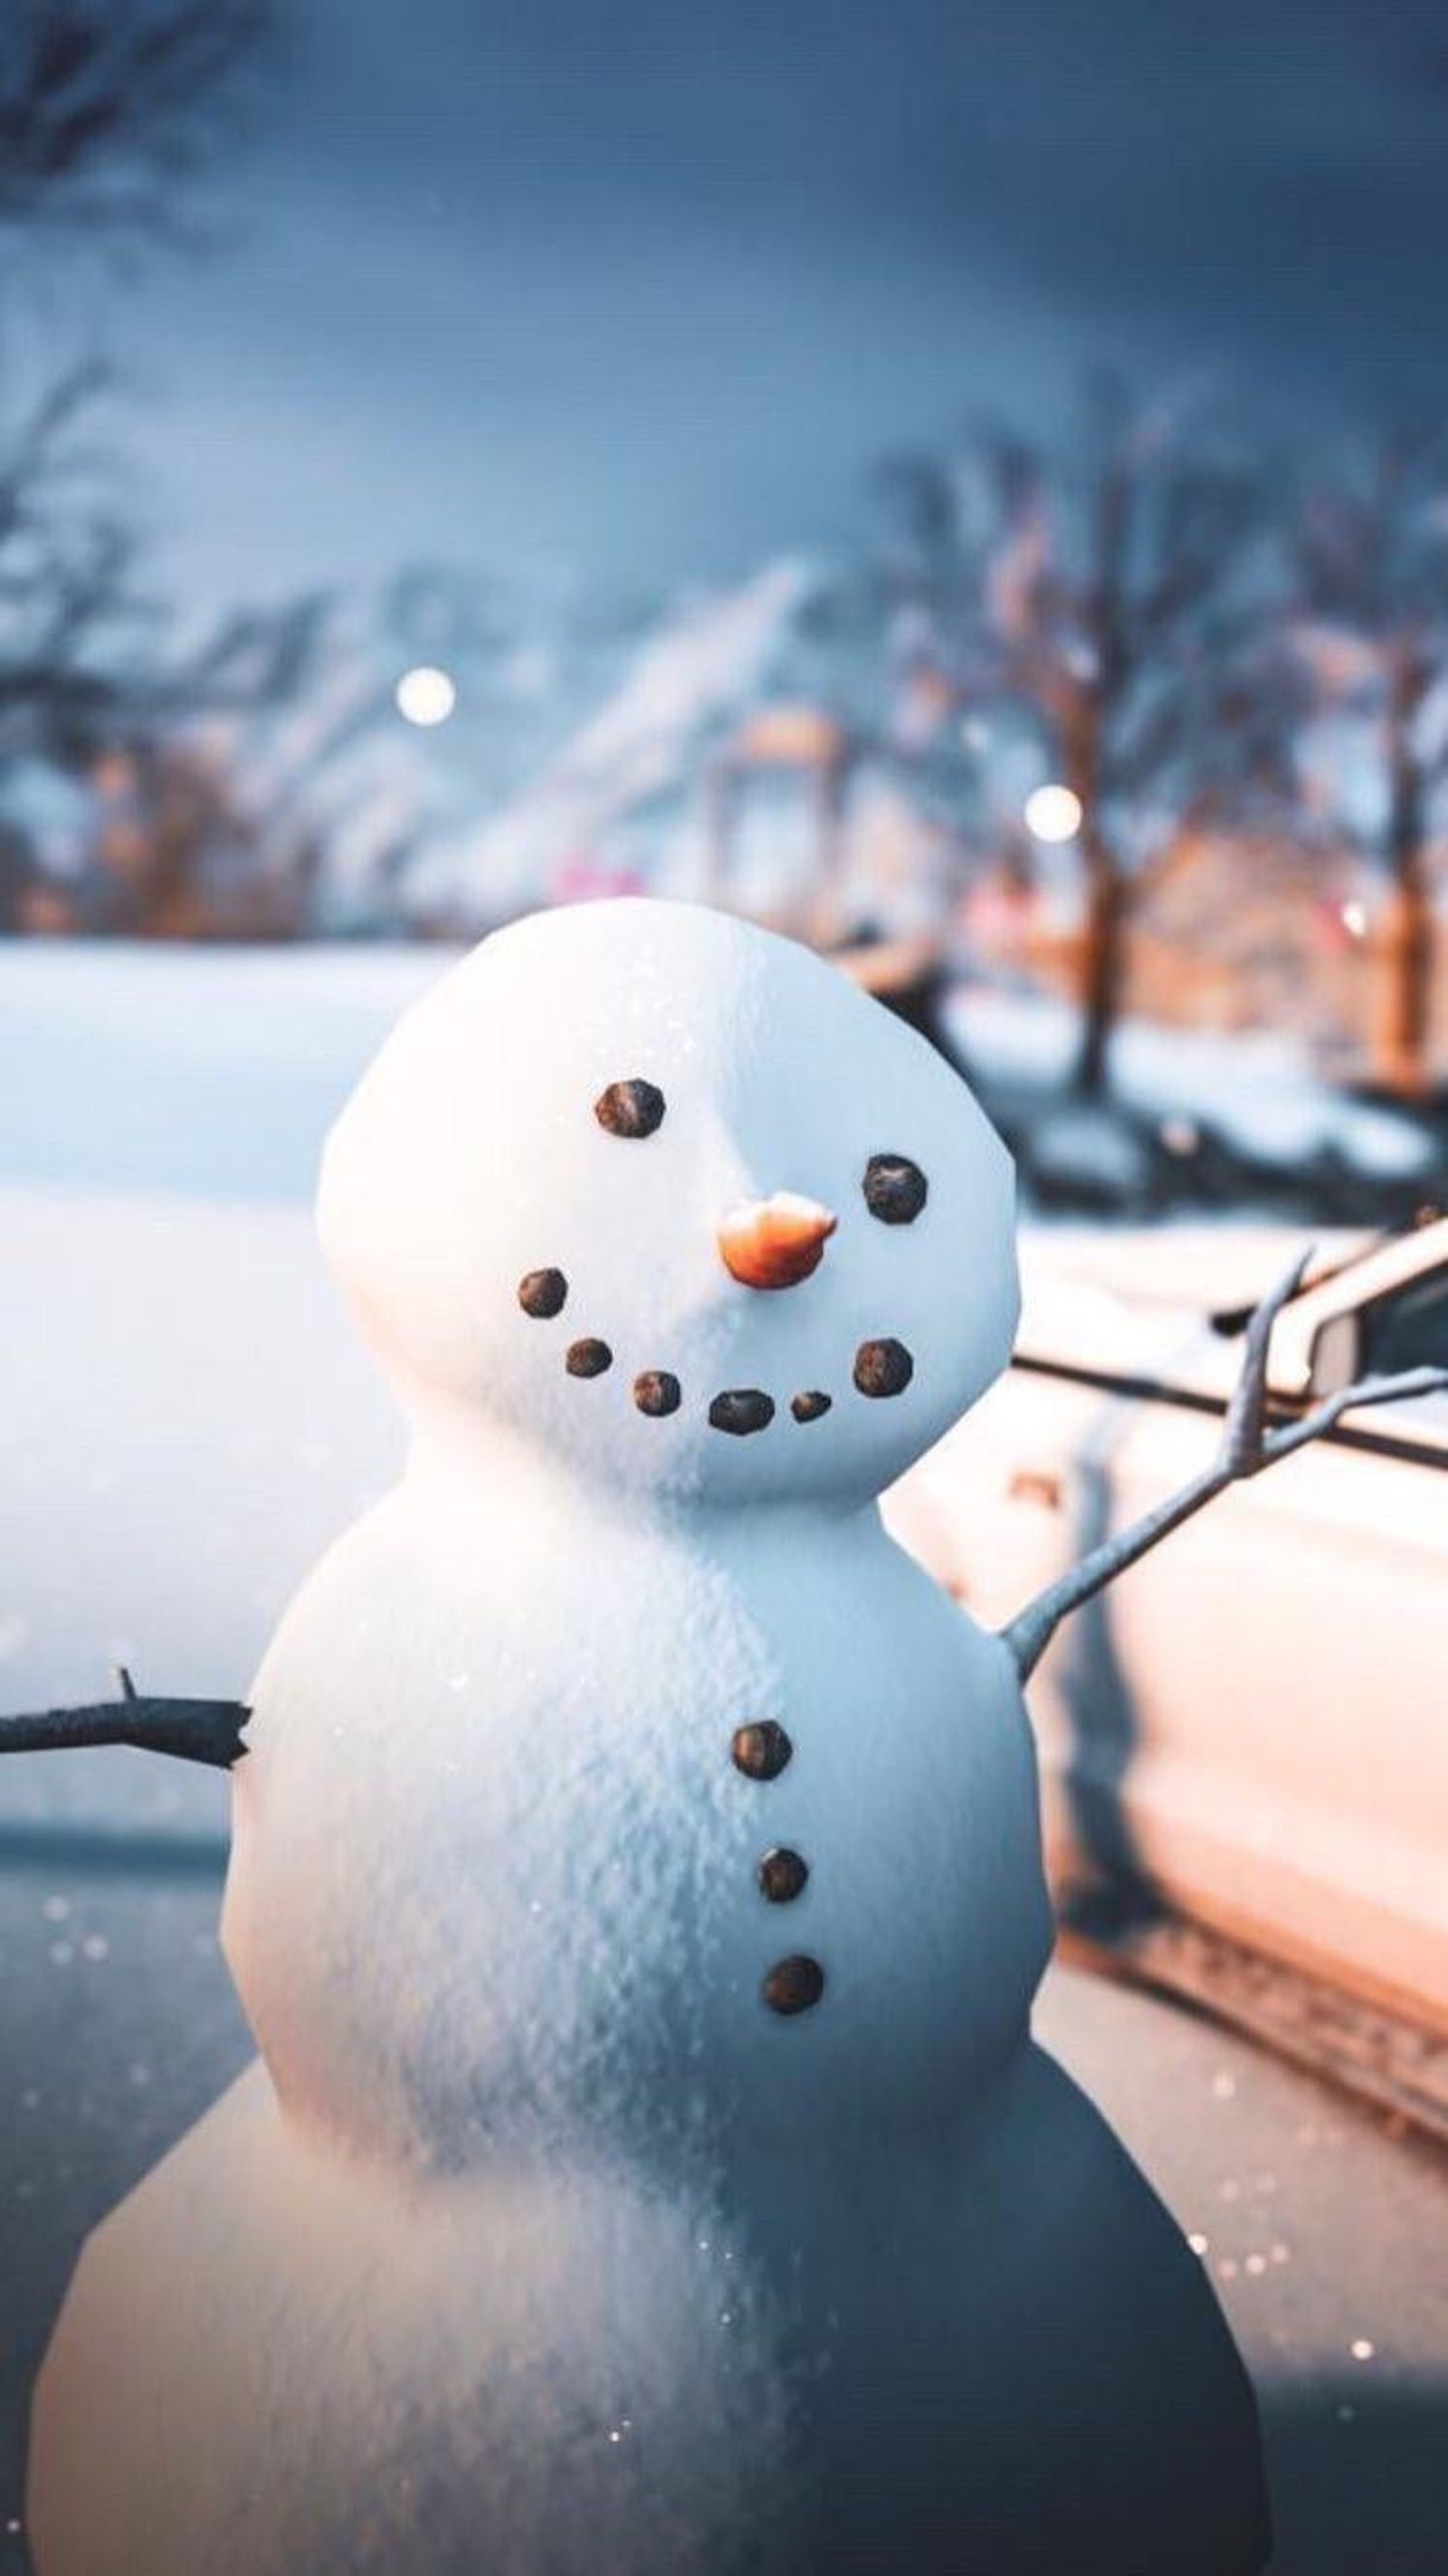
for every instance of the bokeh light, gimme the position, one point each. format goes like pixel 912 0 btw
pixel 425 695
pixel 1053 813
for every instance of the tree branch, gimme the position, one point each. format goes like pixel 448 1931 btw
pixel 107 107
pixel 194 1730
pixel 1247 1446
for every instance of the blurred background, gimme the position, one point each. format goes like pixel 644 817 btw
pixel 966 483
pixel 963 483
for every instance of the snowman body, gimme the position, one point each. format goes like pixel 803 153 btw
pixel 550 1709
pixel 636 1888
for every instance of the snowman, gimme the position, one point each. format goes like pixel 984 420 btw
pixel 636 1893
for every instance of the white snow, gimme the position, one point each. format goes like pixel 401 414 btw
pixel 212 1072
pixel 1256 1088
pixel 186 1420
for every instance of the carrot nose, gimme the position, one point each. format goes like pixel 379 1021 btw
pixel 775 1242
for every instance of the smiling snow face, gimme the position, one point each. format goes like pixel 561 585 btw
pixel 669 1198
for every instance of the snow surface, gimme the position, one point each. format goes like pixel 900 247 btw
pixel 1256 1088
pixel 210 1072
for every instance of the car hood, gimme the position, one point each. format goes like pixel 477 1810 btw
pixel 1138 1302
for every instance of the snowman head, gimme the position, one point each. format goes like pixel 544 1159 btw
pixel 669 1198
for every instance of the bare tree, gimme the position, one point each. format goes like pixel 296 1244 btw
pixel 108 108
pixel 90 676
pixel 1368 627
pixel 1116 593
pixel 65 572
pixel 109 111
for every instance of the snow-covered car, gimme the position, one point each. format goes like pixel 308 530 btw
pixel 1248 1732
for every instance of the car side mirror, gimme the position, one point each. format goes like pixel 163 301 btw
pixel 1336 1357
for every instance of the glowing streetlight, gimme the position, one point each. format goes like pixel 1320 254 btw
pixel 1053 813
pixel 425 695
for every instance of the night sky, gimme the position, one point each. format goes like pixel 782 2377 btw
pixel 645 288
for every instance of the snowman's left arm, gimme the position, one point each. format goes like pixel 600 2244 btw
pixel 196 1730
pixel 1247 1446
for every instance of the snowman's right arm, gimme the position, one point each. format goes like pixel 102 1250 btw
pixel 195 1730
pixel 1249 1443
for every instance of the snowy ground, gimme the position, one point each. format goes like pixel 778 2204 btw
pixel 1256 1089
pixel 183 1422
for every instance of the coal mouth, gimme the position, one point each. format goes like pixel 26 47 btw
pixel 742 1409
pixel 882 1367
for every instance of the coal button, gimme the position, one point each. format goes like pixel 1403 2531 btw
pixel 895 1188
pixel 542 1292
pixel 587 1359
pixel 809 1405
pixel 883 1368
pixel 761 1751
pixel 793 1985
pixel 630 1108
pixel 782 1875
pixel 657 1391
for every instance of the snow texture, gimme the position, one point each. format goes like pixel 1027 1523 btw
pixel 1254 1087
pixel 209 1074
pixel 537 2243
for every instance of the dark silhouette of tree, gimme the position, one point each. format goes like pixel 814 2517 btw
pixel 109 113
pixel 110 108
pixel 65 574
pixel 1116 593
pixel 1368 628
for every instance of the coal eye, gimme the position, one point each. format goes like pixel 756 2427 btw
pixel 895 1188
pixel 630 1108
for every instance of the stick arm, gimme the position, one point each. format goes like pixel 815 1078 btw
pixel 1247 1447
pixel 195 1730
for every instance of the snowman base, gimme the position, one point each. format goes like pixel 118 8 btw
pixel 996 2355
